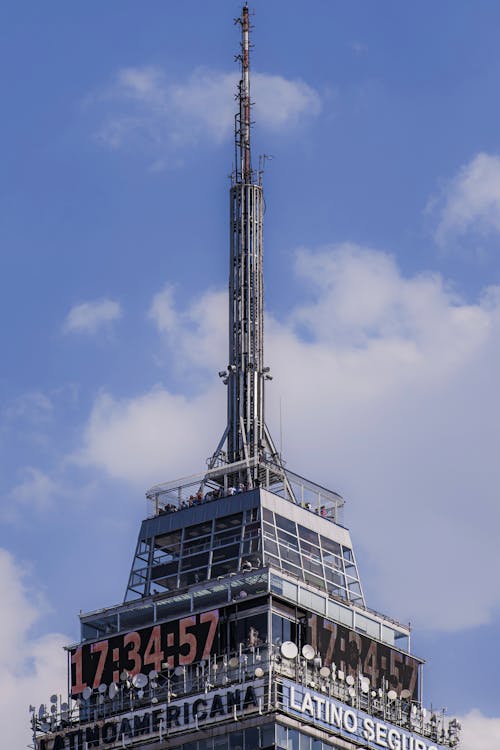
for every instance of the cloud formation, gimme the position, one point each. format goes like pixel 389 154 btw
pixel 389 392
pixel 92 317
pixel 479 732
pixel 32 668
pixel 471 200
pixel 144 108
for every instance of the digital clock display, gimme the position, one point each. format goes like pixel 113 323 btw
pixel 172 644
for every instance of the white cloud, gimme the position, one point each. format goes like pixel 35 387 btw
pixel 196 337
pixel 36 492
pixel 479 732
pixel 154 437
pixel 144 108
pixel 389 386
pixel 33 406
pixel 32 668
pixel 90 317
pixel 471 200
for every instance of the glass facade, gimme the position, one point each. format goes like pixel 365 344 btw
pixel 311 557
pixel 182 557
pixel 264 737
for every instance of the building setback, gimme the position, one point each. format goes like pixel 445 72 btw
pixel 244 623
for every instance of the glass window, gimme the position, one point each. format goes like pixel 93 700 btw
pixel 201 529
pixel 388 635
pixel 267 515
pixel 269 530
pixel 281 737
pixel 304 742
pixel 252 738
pixel 286 524
pixel 220 743
pixel 329 545
pixel 312 601
pixel 194 561
pixel 224 553
pixel 367 625
pixel 288 539
pixel 308 535
pixel 271 560
pixel 228 522
pixel 314 580
pixel 293 739
pixel 347 553
pixel 236 741
pixel 290 555
pixel 402 641
pixel 271 547
pixel 170 543
pixel 293 569
pixel 311 550
pixel 266 737
pixel 224 568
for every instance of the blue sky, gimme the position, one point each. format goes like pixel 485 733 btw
pixel 382 300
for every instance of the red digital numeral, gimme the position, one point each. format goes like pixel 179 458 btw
pixel 79 685
pixel 187 639
pixel 134 640
pixel 100 648
pixel 213 618
pixel 153 653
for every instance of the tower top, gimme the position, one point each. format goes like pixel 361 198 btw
pixel 243 160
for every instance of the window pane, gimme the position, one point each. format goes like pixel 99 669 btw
pixel 286 525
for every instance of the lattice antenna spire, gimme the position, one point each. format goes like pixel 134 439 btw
pixel 248 442
pixel 243 122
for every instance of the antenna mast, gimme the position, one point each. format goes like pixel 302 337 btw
pixel 248 439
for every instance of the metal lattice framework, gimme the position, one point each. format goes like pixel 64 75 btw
pixel 246 436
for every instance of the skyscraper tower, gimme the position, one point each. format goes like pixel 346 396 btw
pixel 244 623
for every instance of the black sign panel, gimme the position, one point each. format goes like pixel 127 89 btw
pixel 357 654
pixel 175 643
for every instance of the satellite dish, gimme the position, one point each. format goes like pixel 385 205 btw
pixel 124 675
pixel 53 709
pixel 351 692
pixel 179 671
pixel 308 652
pixel 350 680
pixel 139 680
pixel 86 693
pixel 152 675
pixel 140 694
pixel 64 707
pixel 53 698
pixel 289 650
pixel 102 688
pixel 374 693
pixel 392 695
pixel 259 672
pixel 154 699
pixel 340 675
pixel 324 672
pixel 233 662
pixel 113 690
pixel 405 694
pixel 365 687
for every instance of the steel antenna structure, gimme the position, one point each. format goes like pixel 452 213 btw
pixel 247 438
